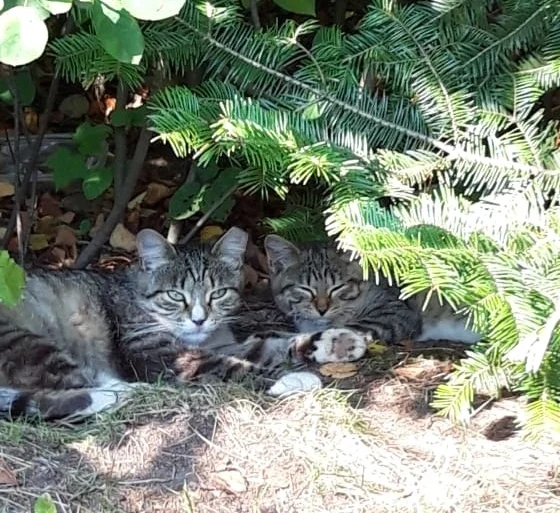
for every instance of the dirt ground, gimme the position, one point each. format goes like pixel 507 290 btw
pixel 373 447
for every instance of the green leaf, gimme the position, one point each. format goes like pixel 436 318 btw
pixel 24 85
pixel 139 116
pixel 67 166
pixel 12 280
pixel 90 138
pixel 154 9
pixel 57 6
pixel 312 111
pixel 35 4
pixel 184 202
pixel 44 504
pixel 297 6
pixel 118 32
pixel 97 182
pixel 121 117
pixel 23 36
pixel 85 226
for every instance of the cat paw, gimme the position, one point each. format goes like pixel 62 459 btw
pixel 293 383
pixel 334 345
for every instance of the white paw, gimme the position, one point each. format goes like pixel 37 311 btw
pixel 338 345
pixel 295 382
pixel 109 394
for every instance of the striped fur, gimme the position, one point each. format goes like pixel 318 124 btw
pixel 318 287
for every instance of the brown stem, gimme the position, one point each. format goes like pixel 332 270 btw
pixel 120 203
pixel 255 14
pixel 17 163
pixel 120 141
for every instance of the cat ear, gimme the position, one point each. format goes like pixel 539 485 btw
pixel 153 250
pixel 280 253
pixel 231 246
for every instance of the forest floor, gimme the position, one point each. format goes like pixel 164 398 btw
pixel 371 445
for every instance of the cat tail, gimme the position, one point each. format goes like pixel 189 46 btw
pixel 71 404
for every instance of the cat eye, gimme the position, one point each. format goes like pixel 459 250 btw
pixel 217 294
pixel 175 296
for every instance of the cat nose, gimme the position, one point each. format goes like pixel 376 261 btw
pixel 198 322
pixel 322 304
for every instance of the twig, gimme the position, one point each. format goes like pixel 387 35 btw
pixel 120 203
pixel 120 142
pixel 207 215
pixel 176 225
pixel 255 14
pixel 17 163
pixel 31 167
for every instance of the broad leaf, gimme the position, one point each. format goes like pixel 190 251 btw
pixel 186 200
pixel 67 166
pixel 297 6
pixel 118 32
pixel 12 280
pixel 97 182
pixel 90 138
pixel 154 9
pixel 24 85
pixel 44 504
pixel 35 4
pixel 121 117
pixel 57 6
pixel 23 36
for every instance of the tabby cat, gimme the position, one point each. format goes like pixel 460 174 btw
pixel 79 340
pixel 319 287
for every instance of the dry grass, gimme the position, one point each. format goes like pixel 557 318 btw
pixel 206 449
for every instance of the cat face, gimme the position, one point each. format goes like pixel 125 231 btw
pixel 195 290
pixel 316 286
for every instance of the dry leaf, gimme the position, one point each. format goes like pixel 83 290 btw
pixel 6 189
pixel 121 238
pixel 339 370
pixel 65 236
pixel 67 217
pixel 7 476
pixel 48 206
pixel 251 276
pixel 99 220
pixel 38 241
pixel 136 202
pixel 133 220
pixel 31 119
pixel 74 106
pixel 232 480
pixel 210 232
pixel 110 104
pixel 46 225
pixel 156 192
pixel 377 347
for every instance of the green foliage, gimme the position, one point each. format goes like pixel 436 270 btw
pixel 12 280
pixel 23 84
pixel 433 105
pixel 69 165
pixel 209 188
pixel 44 504
pixel 297 6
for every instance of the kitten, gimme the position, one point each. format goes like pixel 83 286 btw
pixel 79 339
pixel 320 287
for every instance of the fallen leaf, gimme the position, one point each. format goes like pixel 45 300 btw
pixel 31 119
pixel 377 347
pixel 110 104
pixel 6 189
pixel 7 476
pixel 209 233
pixel 38 241
pixel 46 225
pixel 99 220
pixel 156 192
pixel 135 202
pixel 48 206
pixel 339 370
pixel 232 480
pixel 67 217
pixel 65 236
pixel 121 238
pixel 251 276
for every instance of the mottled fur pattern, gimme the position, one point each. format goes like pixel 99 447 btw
pixel 319 287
